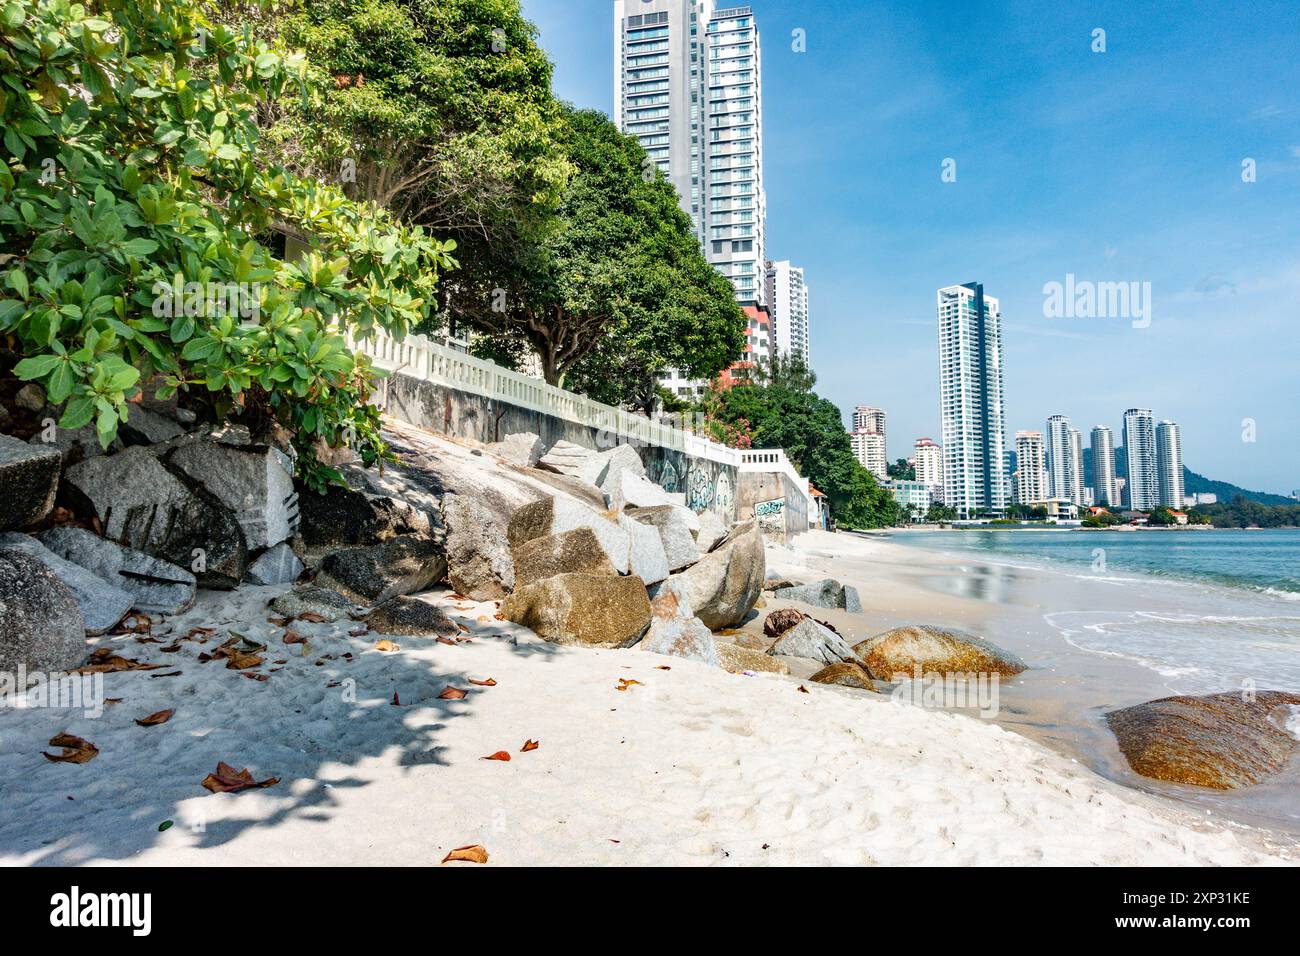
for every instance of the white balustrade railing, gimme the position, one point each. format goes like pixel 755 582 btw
pixel 421 358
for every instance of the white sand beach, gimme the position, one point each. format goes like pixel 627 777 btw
pixel 690 765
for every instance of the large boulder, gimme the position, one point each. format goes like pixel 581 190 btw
pixel 619 460
pixel 520 448
pixel 143 505
pixel 411 617
pixel 577 461
pixel 253 481
pixel 557 515
pixel 845 674
pixel 29 477
pixel 827 593
pixel 316 600
pixel 626 489
pixel 674 628
pixel 102 604
pixel 1223 741
pixel 725 583
pixel 670 522
pixel 712 532
pixel 934 650
pixel 647 558
pixel 814 641
pixel 479 563
pixel 572 552
pixel 41 627
pixel 591 610
pixel 373 575
pixel 152 583
pixel 342 516
pixel 148 427
pixel 277 565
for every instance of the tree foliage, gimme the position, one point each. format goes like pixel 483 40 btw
pixel 130 189
pixel 787 413
pixel 618 290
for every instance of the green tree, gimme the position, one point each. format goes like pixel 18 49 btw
pixel 131 189
pixel 901 470
pixel 619 290
pixel 941 514
pixel 788 414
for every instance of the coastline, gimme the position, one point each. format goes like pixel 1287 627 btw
pixel 690 765
pixel 1054 617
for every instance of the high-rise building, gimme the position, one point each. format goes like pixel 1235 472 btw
pixel 787 300
pixel 971 401
pixel 1103 467
pixel 1064 460
pixel 1169 464
pixel 1031 468
pixel 1140 451
pixel 869 447
pixel 688 85
pixel 927 462
pixel 869 419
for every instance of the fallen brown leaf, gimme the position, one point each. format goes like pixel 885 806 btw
pixel 663 667
pixel 387 646
pixel 490 682
pixel 802 689
pixel 226 779
pixel 529 745
pixel 396 702
pixel 293 637
pixel 153 720
pixel 451 693
pixel 75 749
pixel 104 661
pixel 626 682
pixel 171 648
pixel 237 660
pixel 251 676
pixel 499 755
pixel 311 617
pixel 474 853
pixel 446 640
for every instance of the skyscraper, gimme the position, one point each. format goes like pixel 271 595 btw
pixel 787 300
pixel 1140 450
pixel 1103 467
pixel 869 447
pixel 1064 460
pixel 1031 468
pixel 687 84
pixel 971 402
pixel 867 418
pixel 1169 464
pixel 927 462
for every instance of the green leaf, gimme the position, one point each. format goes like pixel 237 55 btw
pixel 37 366
pixel 78 413
pixel 139 247
pixel 60 384
pixel 106 426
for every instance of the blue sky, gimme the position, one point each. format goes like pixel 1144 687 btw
pixel 1117 166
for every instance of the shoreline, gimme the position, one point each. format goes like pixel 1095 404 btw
pixel 1050 616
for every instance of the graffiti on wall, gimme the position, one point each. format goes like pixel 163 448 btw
pixel 699 491
pixel 668 477
pixel 771 515
pixel 724 498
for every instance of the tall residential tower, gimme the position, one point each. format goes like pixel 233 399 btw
pixel 971 402
pixel 687 84
pixel 1169 464
pixel 1103 467
pixel 1031 468
pixel 1140 449
pixel 787 300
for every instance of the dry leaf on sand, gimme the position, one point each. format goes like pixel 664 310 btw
pixel 153 720
pixel 499 755
pixel 75 749
pixel 490 682
pixel 451 693
pixel 528 745
pixel 475 853
pixel 226 779
pixel 387 646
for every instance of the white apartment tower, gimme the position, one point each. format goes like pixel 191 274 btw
pixel 927 462
pixel 971 401
pixel 1140 450
pixel 1169 464
pixel 1031 468
pixel 687 84
pixel 787 302
pixel 869 419
pixel 1103 467
pixel 1064 460
pixel 869 448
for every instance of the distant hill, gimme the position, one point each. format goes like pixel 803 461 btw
pixel 1193 484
